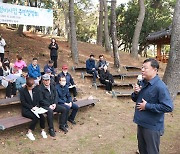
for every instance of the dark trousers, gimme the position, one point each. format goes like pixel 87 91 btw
pixel 94 73
pixel 62 117
pixel 74 108
pixel 2 56
pixel 54 58
pixel 31 115
pixel 74 91
pixel 108 85
pixel 148 140
pixel 11 89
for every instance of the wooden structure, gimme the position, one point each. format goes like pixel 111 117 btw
pixel 17 120
pixel 160 38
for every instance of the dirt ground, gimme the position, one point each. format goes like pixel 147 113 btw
pixel 106 128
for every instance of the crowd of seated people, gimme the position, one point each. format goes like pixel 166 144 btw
pixel 48 90
pixel 100 70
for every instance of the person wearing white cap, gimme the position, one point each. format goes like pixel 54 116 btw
pixel 49 101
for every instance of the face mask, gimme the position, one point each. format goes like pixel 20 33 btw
pixel 65 72
pixel 63 83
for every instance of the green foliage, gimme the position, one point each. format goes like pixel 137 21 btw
pixel 158 16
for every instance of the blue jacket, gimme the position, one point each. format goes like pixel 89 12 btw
pixel 69 79
pixel 19 82
pixel 63 94
pixel 159 102
pixel 90 64
pixel 51 68
pixel 34 72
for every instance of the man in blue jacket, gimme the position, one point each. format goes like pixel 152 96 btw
pixel 69 81
pixel 34 70
pixel 152 101
pixel 91 67
pixel 65 100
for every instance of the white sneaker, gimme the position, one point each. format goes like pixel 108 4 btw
pixel 43 133
pixel 30 136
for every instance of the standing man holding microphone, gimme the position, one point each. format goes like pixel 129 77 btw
pixel 152 101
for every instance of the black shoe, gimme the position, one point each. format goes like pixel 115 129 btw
pixel 74 99
pixel 63 128
pixel 52 132
pixel 72 121
pixel 66 125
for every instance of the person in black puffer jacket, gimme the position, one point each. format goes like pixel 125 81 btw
pixel 106 78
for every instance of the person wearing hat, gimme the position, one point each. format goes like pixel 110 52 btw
pixel 49 101
pixel 69 81
pixel 2 46
pixel 30 101
pixel 52 77
pixel 50 66
pixel 91 67
pixel 65 100
pixel 21 81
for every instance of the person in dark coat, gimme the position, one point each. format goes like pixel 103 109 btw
pixel 49 101
pixel 69 81
pixel 50 66
pixel 53 46
pixel 30 100
pixel 65 100
pixel 91 67
pixel 106 78
pixel 100 64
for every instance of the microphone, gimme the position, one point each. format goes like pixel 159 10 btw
pixel 139 79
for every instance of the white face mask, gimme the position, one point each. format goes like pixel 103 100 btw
pixel 63 83
pixel 65 71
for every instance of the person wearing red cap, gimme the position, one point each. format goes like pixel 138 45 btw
pixel 69 81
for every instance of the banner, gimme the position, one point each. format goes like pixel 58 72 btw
pixel 24 15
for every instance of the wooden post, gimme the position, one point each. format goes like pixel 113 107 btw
pixel 159 51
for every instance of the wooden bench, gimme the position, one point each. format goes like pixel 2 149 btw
pixel 122 93
pixel 129 75
pixel 81 69
pixel 10 122
pixel 9 101
pixel 129 68
pixel 117 85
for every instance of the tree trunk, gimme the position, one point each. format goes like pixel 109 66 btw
pixel 172 73
pixel 114 34
pixel 135 41
pixel 74 48
pixel 106 30
pixel 100 26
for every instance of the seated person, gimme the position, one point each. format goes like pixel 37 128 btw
pixel 9 83
pixel 106 78
pixel 34 71
pixel 91 68
pixel 49 101
pixel 65 100
pixel 21 81
pixel 52 77
pixel 29 97
pixel 101 63
pixel 69 81
pixel 50 66
pixel 19 64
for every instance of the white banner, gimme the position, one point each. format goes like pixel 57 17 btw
pixel 23 15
